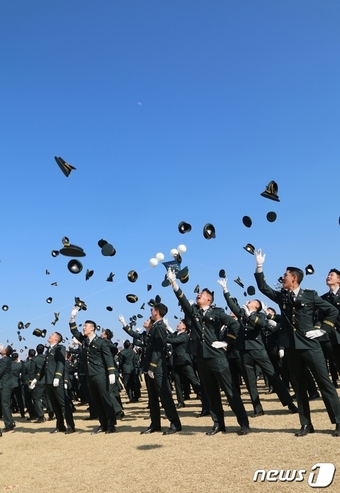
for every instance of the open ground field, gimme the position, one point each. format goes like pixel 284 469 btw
pixel 33 460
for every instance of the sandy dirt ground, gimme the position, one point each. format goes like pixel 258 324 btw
pixel 33 460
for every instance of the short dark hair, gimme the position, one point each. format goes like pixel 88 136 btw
pixel 108 333
pixel 15 356
pixel 209 292
pixel 337 272
pixel 161 308
pixel 127 344
pixel 40 348
pixel 272 309
pixel 60 337
pixel 260 305
pixel 91 322
pixel 31 352
pixel 187 326
pixel 296 272
pixel 9 350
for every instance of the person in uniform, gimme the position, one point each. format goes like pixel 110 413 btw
pixel 6 386
pixel 299 337
pixel 114 388
pixel 253 352
pixel 155 368
pixel 39 389
pixel 17 367
pixel 182 362
pixel 28 375
pixel 126 359
pixel 206 324
pixel 53 371
pixel 100 371
pixel 333 297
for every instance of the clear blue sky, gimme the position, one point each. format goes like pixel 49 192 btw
pixel 170 111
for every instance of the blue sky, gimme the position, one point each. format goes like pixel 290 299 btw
pixel 170 111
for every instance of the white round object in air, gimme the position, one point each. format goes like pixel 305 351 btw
pixel 182 248
pixel 153 262
pixel 159 256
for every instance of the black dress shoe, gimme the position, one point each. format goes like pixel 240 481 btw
pixel 179 405
pixel 244 430
pixel 57 431
pixel 150 430
pixel 69 431
pixel 120 415
pixel 8 428
pixel 111 429
pixel 270 390
pixel 336 432
pixel 40 420
pixel 173 429
pixel 256 415
pixel 215 429
pixel 304 430
pixel 100 429
pixel 314 396
pixel 88 418
pixel 203 413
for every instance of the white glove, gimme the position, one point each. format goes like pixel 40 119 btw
pixel 281 353
pixel 65 386
pixel 122 320
pixel 271 323
pixel 171 276
pixel 219 344
pixel 246 310
pixel 33 384
pixel 76 375
pixel 112 378
pixel 264 306
pixel 74 313
pixel 151 374
pixel 259 260
pixel 223 283
pixel 55 382
pixel 313 334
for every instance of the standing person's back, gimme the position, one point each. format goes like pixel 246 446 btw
pixel 17 367
pixel 6 385
pixel 127 367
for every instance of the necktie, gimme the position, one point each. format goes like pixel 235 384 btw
pixel 331 297
pixel 292 297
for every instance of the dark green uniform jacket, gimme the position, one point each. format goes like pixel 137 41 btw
pixel 298 317
pixel 205 329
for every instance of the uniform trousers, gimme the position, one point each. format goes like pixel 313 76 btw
pixel 5 395
pixel 98 386
pixel 188 372
pixel 61 406
pixel 38 394
pixel 215 374
pixel 315 360
pixel 159 388
pixel 28 394
pixel 249 358
pixel 17 399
